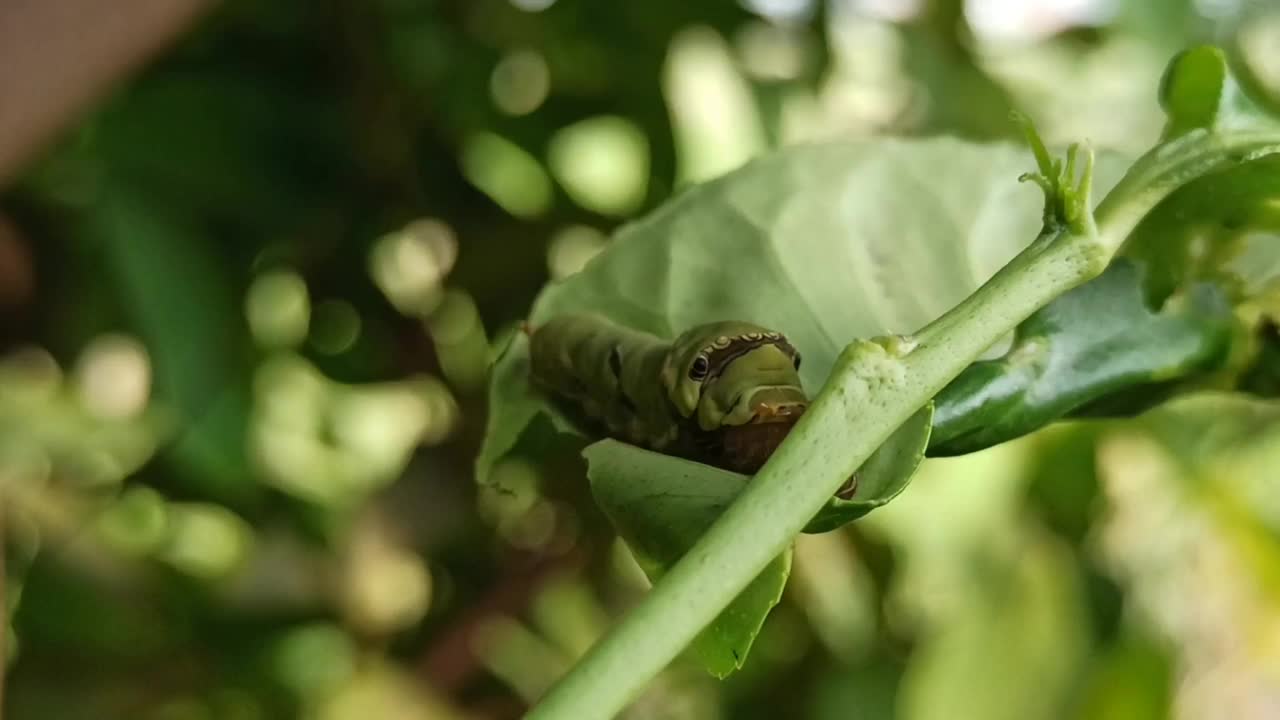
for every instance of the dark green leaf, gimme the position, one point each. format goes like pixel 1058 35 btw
pixel 1095 341
pixel 1198 92
pixel 178 302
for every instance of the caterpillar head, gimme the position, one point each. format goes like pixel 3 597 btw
pixel 729 374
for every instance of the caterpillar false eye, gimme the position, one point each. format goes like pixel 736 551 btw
pixel 701 366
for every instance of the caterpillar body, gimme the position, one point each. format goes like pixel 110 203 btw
pixel 722 393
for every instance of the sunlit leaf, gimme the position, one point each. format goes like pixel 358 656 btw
pixel 825 243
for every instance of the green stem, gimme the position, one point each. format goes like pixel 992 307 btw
pixel 873 388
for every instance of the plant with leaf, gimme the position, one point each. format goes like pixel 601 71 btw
pixel 893 267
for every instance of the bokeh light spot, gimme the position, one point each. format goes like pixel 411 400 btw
pixel 522 658
pixel 278 309
pixel 781 10
pixel 381 424
pixel 603 163
pixel 511 177
pixel 137 523
pixel 387 588
pixel 461 343
pixel 332 443
pixel 1260 42
pixel 772 52
pixel 206 541
pixel 714 118
pixel 410 264
pixel 291 393
pixel 314 658
pixel 520 82
pixel 1024 22
pixel 571 248
pixel 113 376
pixel 385 690
pixel 30 374
pixel 888 10
pixel 442 410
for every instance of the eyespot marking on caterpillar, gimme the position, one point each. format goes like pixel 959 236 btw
pixel 700 367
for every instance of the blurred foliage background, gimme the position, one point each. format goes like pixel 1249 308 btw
pixel 249 299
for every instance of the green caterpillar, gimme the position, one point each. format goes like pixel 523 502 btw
pixel 723 393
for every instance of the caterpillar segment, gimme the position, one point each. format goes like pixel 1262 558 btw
pixel 723 393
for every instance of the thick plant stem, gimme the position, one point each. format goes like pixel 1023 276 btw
pixel 874 387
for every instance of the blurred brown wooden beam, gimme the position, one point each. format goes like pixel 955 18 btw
pixel 59 56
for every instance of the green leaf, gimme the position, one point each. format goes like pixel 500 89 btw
pixel 825 242
pixel 1198 92
pixel 884 474
pixel 661 506
pixel 1216 228
pixel 1090 344
pixel 1205 226
pixel 1164 317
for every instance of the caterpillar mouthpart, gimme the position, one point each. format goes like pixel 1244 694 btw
pixel 766 412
